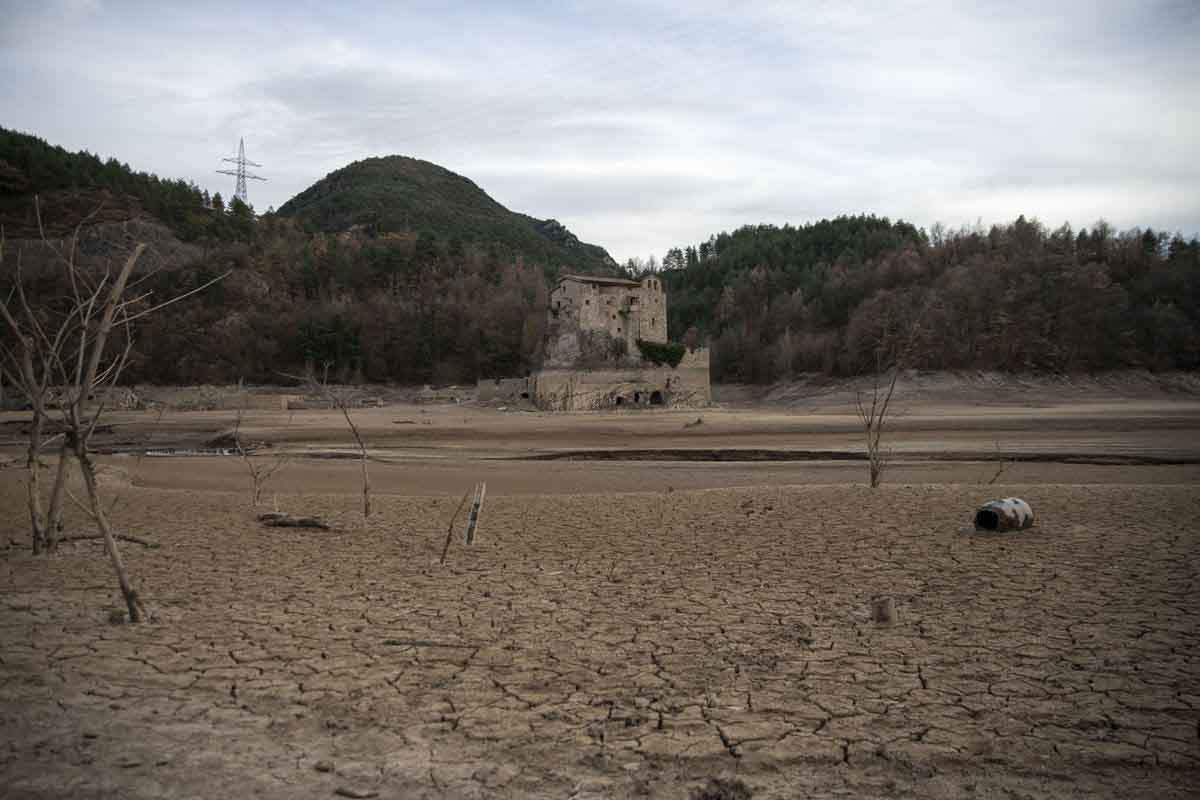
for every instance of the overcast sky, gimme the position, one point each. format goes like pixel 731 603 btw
pixel 645 124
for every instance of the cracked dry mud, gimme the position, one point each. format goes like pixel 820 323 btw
pixel 615 646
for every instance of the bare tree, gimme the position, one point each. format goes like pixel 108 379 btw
pixel 873 410
pixel 362 450
pixel 28 363
pixel 896 339
pixel 63 346
pixel 260 471
pixel 339 401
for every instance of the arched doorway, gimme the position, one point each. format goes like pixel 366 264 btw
pixel 656 398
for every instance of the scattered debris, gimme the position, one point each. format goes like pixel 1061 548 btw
pixel 277 519
pixel 721 789
pixel 699 421
pixel 323 766
pixel 227 438
pixel 230 439
pixel 1009 514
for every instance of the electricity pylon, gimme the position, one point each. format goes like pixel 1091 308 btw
pixel 240 172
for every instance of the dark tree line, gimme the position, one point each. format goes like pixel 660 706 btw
pixel 397 310
pixel 774 302
pixel 771 302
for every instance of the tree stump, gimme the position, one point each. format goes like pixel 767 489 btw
pixel 883 610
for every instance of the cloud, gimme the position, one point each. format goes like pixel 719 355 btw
pixel 645 124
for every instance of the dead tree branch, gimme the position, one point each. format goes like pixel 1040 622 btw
pixel 259 473
pixel 121 537
pixel 335 399
pixel 70 349
pixel 450 527
pixel 873 415
pixel 1000 467
pixel 892 354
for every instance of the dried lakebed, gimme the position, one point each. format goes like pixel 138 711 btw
pixel 614 645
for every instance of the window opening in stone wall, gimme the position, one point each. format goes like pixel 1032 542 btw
pixel 656 398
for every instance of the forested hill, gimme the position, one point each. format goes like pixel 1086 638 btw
pixel 429 281
pixel 73 185
pixel 407 196
pixel 827 297
pixel 398 270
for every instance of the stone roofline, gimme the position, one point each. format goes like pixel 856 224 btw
pixel 599 280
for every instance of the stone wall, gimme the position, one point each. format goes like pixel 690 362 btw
pixel 510 390
pixel 685 386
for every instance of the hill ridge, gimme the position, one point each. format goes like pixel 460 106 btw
pixel 398 193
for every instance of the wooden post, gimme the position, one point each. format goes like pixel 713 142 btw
pixel 476 510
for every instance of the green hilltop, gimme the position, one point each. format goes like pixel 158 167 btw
pixel 408 196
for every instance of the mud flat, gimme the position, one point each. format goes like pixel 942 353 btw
pixel 621 628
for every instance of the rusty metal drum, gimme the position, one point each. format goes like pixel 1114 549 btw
pixel 1009 514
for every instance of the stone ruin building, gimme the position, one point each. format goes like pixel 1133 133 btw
pixel 591 358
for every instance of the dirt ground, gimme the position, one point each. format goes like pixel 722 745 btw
pixel 621 628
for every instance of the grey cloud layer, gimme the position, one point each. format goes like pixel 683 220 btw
pixel 644 125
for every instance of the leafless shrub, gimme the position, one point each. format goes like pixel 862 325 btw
pixel 338 400
pixel 873 409
pixel 895 341
pixel 259 471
